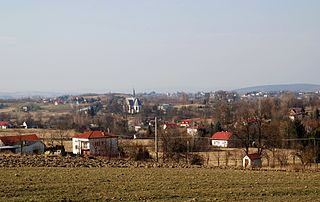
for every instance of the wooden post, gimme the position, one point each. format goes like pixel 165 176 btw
pixel 218 158
pixel 188 144
pixel 156 138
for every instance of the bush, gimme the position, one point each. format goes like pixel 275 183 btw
pixel 142 154
pixel 138 153
pixel 174 145
pixel 196 159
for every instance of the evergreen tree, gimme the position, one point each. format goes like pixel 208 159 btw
pixel 218 127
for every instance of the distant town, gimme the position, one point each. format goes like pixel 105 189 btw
pixel 278 127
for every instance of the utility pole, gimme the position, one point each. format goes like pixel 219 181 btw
pixel 156 138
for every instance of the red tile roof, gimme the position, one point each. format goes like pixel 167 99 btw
pixel 93 134
pixel 222 136
pixel 13 140
pixel 170 125
pixel 254 156
pixel 187 121
pixel 4 123
pixel 311 123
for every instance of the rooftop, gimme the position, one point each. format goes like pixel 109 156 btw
pixel 94 134
pixel 222 136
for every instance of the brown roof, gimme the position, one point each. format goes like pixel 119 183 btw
pixel 93 134
pixel 170 125
pixel 13 140
pixel 254 156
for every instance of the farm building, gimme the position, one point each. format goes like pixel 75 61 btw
pixel 224 139
pixel 169 126
pixel 186 123
pixel 4 124
pixel 95 143
pixel 252 161
pixel 27 144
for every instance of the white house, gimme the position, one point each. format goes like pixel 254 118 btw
pixel 27 144
pixel 95 143
pixel 223 139
pixel 252 161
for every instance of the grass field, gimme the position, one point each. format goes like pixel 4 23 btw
pixel 156 184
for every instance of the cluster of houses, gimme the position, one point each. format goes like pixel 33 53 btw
pixel 99 143
pixel 95 143
pixel 300 113
pixel 6 125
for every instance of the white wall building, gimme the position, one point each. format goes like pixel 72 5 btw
pixel 26 144
pixel 224 139
pixel 95 143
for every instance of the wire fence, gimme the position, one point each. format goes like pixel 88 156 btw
pixel 292 153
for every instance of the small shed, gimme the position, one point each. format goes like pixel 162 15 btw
pixel 252 161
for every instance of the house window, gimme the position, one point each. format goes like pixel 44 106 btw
pixel 84 145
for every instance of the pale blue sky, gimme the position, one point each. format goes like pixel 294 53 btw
pixel 163 45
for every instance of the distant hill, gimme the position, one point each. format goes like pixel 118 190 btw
pixel 282 87
pixel 18 95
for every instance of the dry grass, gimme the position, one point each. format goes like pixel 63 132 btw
pixel 155 184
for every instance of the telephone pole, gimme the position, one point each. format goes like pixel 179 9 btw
pixel 156 138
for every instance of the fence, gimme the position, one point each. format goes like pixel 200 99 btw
pixel 183 149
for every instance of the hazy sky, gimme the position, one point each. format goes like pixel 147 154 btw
pixel 161 45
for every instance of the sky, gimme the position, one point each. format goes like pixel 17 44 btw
pixel 157 45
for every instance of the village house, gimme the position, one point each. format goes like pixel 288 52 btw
pixel 224 139
pixel 133 105
pixel 4 124
pixel 296 113
pixel 252 161
pixel 186 123
pixel 311 124
pixel 96 143
pixel 166 126
pixel 164 108
pixel 26 144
